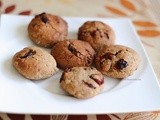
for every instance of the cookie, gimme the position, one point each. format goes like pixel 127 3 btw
pixel 73 53
pixel 47 29
pixel 117 61
pixel 82 82
pixel 97 34
pixel 34 63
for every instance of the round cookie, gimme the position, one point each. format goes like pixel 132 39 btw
pixel 97 34
pixel 34 63
pixel 82 82
pixel 46 29
pixel 73 53
pixel 117 61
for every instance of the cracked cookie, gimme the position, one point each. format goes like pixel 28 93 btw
pixel 73 53
pixel 117 61
pixel 46 29
pixel 82 82
pixel 34 63
pixel 97 34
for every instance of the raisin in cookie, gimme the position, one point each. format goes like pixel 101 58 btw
pixel 82 82
pixel 97 34
pixel 34 63
pixel 73 53
pixel 46 29
pixel 117 61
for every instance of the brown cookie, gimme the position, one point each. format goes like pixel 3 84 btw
pixel 117 61
pixel 34 63
pixel 73 53
pixel 82 82
pixel 46 29
pixel 97 34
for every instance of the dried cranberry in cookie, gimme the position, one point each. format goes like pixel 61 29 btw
pixel 117 61
pixel 82 82
pixel 47 29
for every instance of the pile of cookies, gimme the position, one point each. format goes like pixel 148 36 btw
pixel 84 61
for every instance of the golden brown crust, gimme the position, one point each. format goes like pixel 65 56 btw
pixel 82 82
pixel 72 53
pixel 34 63
pixel 97 34
pixel 117 61
pixel 46 29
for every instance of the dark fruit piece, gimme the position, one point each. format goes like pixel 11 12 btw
pixel 29 53
pixel 39 15
pixel 44 19
pixel 74 50
pixel 108 56
pixel 121 64
pixel 89 85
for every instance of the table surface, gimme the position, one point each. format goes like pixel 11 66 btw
pixel 144 14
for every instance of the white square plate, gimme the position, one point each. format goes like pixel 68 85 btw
pixel 139 92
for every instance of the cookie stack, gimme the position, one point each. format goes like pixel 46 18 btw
pixel 94 47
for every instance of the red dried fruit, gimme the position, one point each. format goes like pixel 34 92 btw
pixel 121 64
pixel 89 85
pixel 108 56
pixel 29 53
pixel 99 79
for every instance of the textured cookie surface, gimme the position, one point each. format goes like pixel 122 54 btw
pixel 34 63
pixel 73 53
pixel 46 29
pixel 82 82
pixel 117 61
pixel 97 34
